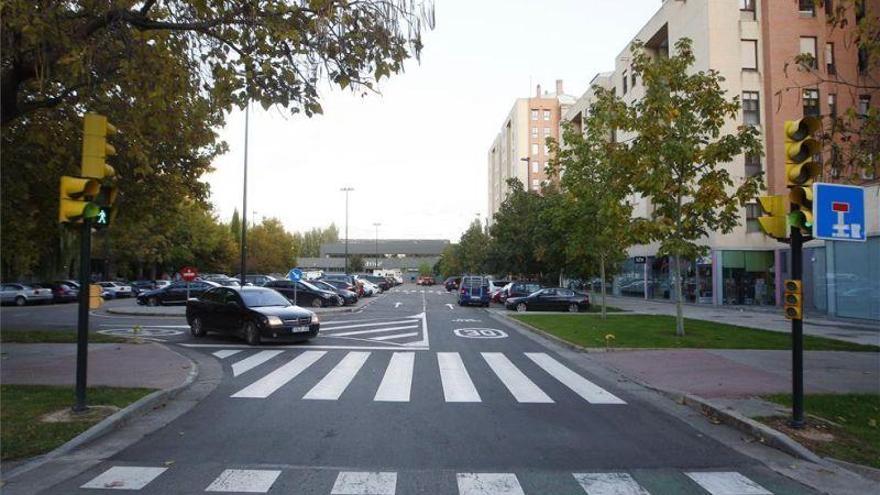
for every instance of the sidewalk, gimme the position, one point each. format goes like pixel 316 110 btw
pixel 147 365
pixel 765 318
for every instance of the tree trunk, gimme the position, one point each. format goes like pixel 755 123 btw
pixel 679 316
pixel 602 283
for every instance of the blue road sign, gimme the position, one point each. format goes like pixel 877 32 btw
pixel 295 275
pixel 839 212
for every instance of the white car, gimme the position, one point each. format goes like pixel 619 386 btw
pixel 163 283
pixel 21 294
pixel 370 289
pixel 117 290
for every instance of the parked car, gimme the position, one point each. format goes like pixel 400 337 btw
pixel 382 282
pixel 496 285
pixel 342 277
pixel 174 293
pixel 550 299
pixel 500 295
pixel 222 280
pixel 425 280
pixel 451 283
pixel 139 286
pixel 21 294
pixel 62 292
pixel 256 279
pixel 348 296
pixel 253 313
pixel 116 289
pixel 370 289
pixel 306 293
pixel 522 289
pixel 474 290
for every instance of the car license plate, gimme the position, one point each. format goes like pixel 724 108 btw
pixel 299 329
pixel 475 298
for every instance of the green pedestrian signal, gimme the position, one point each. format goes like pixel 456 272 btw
pixel 102 220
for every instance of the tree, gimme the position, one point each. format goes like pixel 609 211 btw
pixel 472 248
pixel 275 52
pixel 271 249
pixel 425 269
pixel 514 231
pixel 449 264
pixel 356 263
pixel 310 242
pixel 678 152
pixel 235 226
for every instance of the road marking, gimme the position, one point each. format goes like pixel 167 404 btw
pixel 488 484
pixel 332 385
pixel 397 382
pixel 328 326
pixel 362 483
pixel 457 384
pixel 125 478
pixel 727 483
pixel 264 387
pixel 244 480
pixel 253 361
pixel 480 333
pixel 609 484
pixel 591 392
pixel 225 353
pixel 375 330
pixel 450 306
pixel 523 389
pixel 396 336
pixel 412 346
pixel 397 304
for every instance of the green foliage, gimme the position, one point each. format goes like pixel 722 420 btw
pixel 449 264
pixel 271 249
pixel 356 264
pixel 472 248
pixel 235 227
pixel 425 269
pixel 309 243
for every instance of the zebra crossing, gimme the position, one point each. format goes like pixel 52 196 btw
pixel 236 480
pixel 397 378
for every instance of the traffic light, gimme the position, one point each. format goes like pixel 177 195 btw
pixel 95 148
pixel 95 299
pixel 76 195
pixel 774 223
pixel 794 301
pixel 801 170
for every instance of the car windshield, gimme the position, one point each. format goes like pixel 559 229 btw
pixel 262 298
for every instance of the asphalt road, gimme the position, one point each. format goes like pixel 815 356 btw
pixel 416 395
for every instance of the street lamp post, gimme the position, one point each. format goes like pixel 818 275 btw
pixel 376 267
pixel 244 199
pixel 346 190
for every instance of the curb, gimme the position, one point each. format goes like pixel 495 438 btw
pixel 112 422
pixel 766 435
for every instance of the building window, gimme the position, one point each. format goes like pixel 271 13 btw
pixel 632 77
pixel 546 132
pixel 753 165
pixel 534 132
pixel 535 184
pixel 751 104
pixel 829 8
pixel 547 115
pixel 748 5
pixel 807 8
pixel 832 104
pixel 753 212
pixel 536 167
pixel 829 59
pixel 864 105
pixel 625 81
pixel 863 59
pixel 749 54
pixel 808 47
pixel 534 149
pixel 534 114
pixel 811 102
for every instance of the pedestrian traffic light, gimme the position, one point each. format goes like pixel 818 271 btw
pixel 95 148
pixel 75 199
pixel 774 223
pixel 95 299
pixel 801 169
pixel 794 305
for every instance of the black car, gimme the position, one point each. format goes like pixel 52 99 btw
pixel 253 313
pixel 306 294
pixel 139 286
pixel 550 299
pixel 348 296
pixel 451 283
pixel 339 277
pixel 175 293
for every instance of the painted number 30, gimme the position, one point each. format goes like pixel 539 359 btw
pixel 480 333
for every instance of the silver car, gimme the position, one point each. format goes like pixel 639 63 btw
pixel 21 294
pixel 117 289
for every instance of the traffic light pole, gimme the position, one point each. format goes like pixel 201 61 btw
pixel 82 331
pixel 797 337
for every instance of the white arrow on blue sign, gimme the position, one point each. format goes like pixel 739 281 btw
pixel 295 275
pixel 839 212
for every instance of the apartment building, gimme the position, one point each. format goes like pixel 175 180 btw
pixel 519 150
pixel 752 44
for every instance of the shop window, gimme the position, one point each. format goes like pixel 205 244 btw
pixel 749 278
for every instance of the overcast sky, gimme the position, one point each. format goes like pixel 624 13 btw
pixel 416 154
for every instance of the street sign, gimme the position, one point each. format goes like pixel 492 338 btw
pixel 839 211
pixel 295 275
pixel 188 273
pixel 640 260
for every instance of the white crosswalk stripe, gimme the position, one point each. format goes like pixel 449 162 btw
pixel 251 362
pixel 332 385
pixel 488 484
pixel 727 483
pixel 523 389
pixel 397 382
pixel 244 481
pixel 365 483
pixel 267 385
pixel 457 384
pixel 125 478
pixel 396 336
pixel 377 330
pixel 609 484
pixel 591 392
pixel 331 326
pixel 225 353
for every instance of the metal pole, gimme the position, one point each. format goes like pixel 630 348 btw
pixel 82 329
pixel 797 337
pixel 244 200
pixel 377 246
pixel 346 190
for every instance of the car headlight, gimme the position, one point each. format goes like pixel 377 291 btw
pixel 315 319
pixel 274 321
